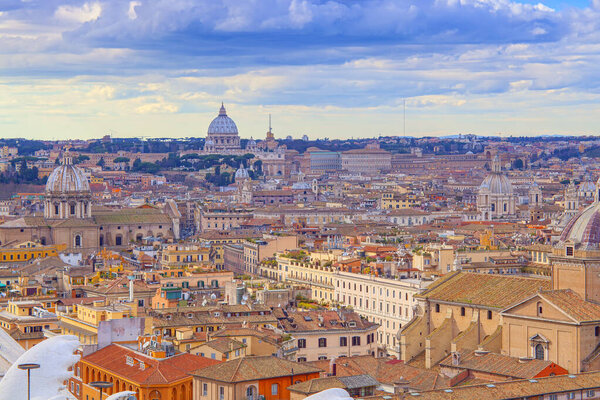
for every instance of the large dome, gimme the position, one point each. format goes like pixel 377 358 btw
pixel 67 178
pixel 584 228
pixel 496 183
pixel 222 124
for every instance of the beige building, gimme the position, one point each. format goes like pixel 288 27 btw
pixel 327 335
pixel 461 312
pixel 384 301
pixel 368 161
pixel 434 258
pixel 220 218
pixel 256 250
pixel 314 270
pixel 556 325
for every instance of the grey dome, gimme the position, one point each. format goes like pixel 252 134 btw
pixel 496 183
pixel 67 178
pixel 222 124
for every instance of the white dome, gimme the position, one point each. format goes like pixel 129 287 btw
pixel 222 124
pixel 67 178
pixel 241 173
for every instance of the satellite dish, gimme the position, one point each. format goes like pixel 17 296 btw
pixel 213 296
pixel 245 297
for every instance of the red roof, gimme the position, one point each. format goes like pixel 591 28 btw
pixel 114 358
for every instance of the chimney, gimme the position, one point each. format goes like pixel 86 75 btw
pixel 401 386
pixel 131 289
pixel 455 358
pixel 332 367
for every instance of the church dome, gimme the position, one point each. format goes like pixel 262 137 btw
pixel 241 173
pixel 67 178
pixel 496 182
pixel 583 230
pixel 222 124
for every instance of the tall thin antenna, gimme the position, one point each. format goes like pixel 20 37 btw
pixel 269 122
pixel 404 117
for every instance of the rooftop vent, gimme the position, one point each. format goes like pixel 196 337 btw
pixel 490 385
pixel 524 359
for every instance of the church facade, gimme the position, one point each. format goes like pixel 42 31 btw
pixel 70 218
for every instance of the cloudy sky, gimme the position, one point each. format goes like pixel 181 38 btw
pixel 326 68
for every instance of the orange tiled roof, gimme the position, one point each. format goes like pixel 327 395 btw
pixel 254 368
pixel 113 358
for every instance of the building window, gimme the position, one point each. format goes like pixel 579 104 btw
pixel 462 311
pixel 489 314
pixel 437 308
pixel 539 351
pixel 569 251
pixel 355 340
pixel 343 341
pixel 119 240
pixel 301 343
pixel 539 308
pixel 571 395
pixel 77 241
pixel 205 389
pixel 322 342
pixel 301 359
pixel 72 209
pixel 221 393
pixel 274 389
pixel 590 393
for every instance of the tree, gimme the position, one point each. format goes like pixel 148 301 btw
pixel 101 162
pixel 81 158
pixel 119 160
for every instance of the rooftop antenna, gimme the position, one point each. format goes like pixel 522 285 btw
pixel 269 122
pixel 404 122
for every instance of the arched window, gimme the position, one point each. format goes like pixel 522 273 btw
pixel 77 241
pixel 539 308
pixel 101 241
pixel 56 209
pixel 119 240
pixel 504 207
pixel 539 351
pixel 250 393
pixel 72 209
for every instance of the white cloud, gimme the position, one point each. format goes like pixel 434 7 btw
pixel 131 12
pixel 85 13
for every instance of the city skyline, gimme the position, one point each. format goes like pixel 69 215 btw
pixel 325 69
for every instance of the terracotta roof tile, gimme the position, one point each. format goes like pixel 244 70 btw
pixel 113 358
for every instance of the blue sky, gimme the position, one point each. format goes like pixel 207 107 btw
pixel 326 68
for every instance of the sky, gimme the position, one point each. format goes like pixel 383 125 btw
pixel 325 68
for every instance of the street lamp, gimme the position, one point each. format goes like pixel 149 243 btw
pixel 28 367
pixel 101 385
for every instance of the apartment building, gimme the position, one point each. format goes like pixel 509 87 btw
pixel 178 255
pixel 314 270
pixel 327 335
pixel 221 218
pixel 388 302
